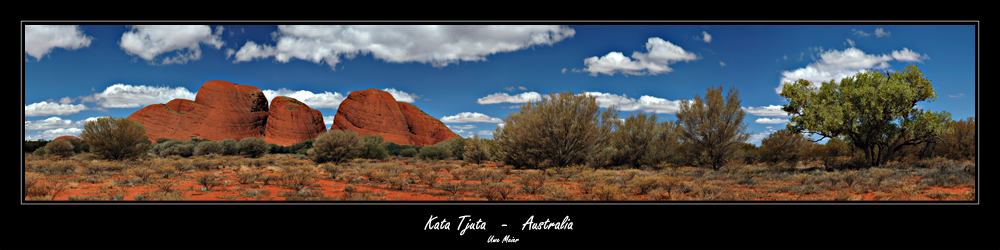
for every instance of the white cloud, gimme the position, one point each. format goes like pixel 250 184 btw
pixel 61 132
pixel 321 100
pixel 504 97
pixel 880 33
pixel 771 120
pixel 860 33
pixel 150 41
pixel 485 132
pixel 133 96
pixel 463 126
pixel 401 96
pixel 645 103
pixel 328 120
pixel 563 71
pixel 836 65
pixel 722 64
pixel 50 108
pixel 661 54
pixel 706 37
pixel 439 45
pixel 466 117
pixel 50 123
pixel 908 55
pixel 39 40
pixel 850 42
pixel 958 95
pixel 770 110
pixel 54 127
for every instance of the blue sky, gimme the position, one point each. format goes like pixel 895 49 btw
pixel 471 77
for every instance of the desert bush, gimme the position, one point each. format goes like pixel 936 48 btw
pixel 476 150
pixel 208 180
pixel 456 145
pixel 713 128
pixel 607 192
pixel 335 146
pixel 165 185
pixel 253 147
pixel 452 188
pixel 208 147
pixel 782 146
pixel 409 152
pixel 298 178
pixel 434 152
pixel 39 151
pixel 373 148
pixel 632 140
pixel 116 138
pixel 32 146
pixel 31 179
pixel 62 148
pixel 960 143
pixel 230 146
pixel 141 172
pixel 248 176
pixel 560 130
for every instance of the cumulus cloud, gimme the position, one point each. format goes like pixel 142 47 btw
pixel 660 54
pixel 401 96
pixel 463 126
pixel 706 37
pixel 504 97
pixel 770 110
pixel 466 117
pixel 758 137
pixel 313 100
pixel 150 41
pixel 836 65
pixel 438 45
pixel 51 108
pixel 880 33
pixel 133 96
pixel 328 120
pixel 39 40
pixel 645 103
pixel 54 127
pixel 771 120
pixel 908 55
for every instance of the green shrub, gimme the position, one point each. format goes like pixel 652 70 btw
pixel 409 152
pixel 335 146
pixel 456 146
pixel 116 138
pixel 62 148
pixel 208 147
pixel 434 152
pixel 373 148
pixel 253 147
pixel 476 150
pixel 230 147
pixel 560 130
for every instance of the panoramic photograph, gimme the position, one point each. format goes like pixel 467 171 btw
pixel 472 113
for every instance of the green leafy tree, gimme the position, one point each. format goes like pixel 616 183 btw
pixel 434 152
pixel 116 138
pixel 713 127
pixel 872 110
pixel 960 144
pixel 664 148
pixel 561 130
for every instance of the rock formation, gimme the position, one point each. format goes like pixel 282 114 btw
pixel 67 137
pixel 291 121
pixel 374 111
pixel 220 110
